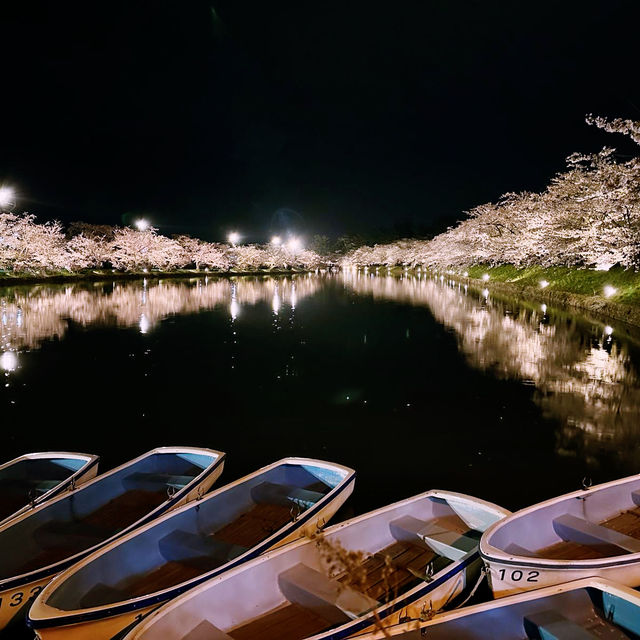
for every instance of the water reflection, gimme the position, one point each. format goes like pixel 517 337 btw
pixel 583 376
pixel 29 316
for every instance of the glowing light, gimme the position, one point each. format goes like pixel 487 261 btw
pixel 275 303
pixel 234 237
pixel 7 195
pixel 609 291
pixel 466 274
pixel 142 224
pixel 9 361
pixel 608 330
pixel 144 324
pixel 485 277
pixel 276 240
pixel 294 244
pixel 544 283
pixel 485 293
pixel 544 308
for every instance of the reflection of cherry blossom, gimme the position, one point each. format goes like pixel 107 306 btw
pixel 590 388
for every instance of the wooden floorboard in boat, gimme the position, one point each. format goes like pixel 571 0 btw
pixel 125 509
pixel 627 522
pixel 165 576
pixel 290 622
pixel 400 558
pixel 255 525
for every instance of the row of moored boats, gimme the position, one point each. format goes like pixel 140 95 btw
pixel 148 551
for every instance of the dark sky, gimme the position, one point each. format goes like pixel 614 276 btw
pixel 332 116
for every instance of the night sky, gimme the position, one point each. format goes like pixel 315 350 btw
pixel 331 117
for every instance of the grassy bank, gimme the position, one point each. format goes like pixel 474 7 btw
pixel 585 282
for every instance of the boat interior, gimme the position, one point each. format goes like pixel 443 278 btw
pixel 96 511
pixel 30 478
pixel 602 525
pixel 580 614
pixel 199 539
pixel 300 595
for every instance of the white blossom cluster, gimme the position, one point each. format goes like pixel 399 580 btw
pixel 29 247
pixel 589 216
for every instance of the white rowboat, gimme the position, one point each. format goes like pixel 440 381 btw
pixel 119 584
pixel 592 532
pixel 581 610
pixel 403 559
pixel 34 478
pixel 39 544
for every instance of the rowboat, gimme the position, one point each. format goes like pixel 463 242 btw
pixel 118 585
pixel 34 478
pixel 591 532
pixel 44 541
pixel 581 610
pixel 404 559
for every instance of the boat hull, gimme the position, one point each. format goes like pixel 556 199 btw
pixel 509 578
pixel 15 602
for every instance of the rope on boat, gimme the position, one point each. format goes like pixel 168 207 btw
pixel 483 573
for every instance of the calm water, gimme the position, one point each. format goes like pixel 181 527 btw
pixel 412 381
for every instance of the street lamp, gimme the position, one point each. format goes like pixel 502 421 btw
pixel 234 237
pixel 7 198
pixel 294 244
pixel 276 240
pixel 142 224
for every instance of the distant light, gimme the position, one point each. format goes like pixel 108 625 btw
pixel 466 274
pixel 9 361
pixel 277 240
pixel 544 308
pixel 544 283
pixel 7 195
pixel 485 293
pixel 142 224
pixel 485 277
pixel 294 244
pixel 234 237
pixel 608 330
pixel 144 324
pixel 609 291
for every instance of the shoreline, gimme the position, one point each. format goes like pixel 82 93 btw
pixel 100 276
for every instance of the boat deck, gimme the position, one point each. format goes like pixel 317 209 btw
pixel 294 622
pixel 248 530
pixel 627 522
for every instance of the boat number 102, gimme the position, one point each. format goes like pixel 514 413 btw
pixel 517 575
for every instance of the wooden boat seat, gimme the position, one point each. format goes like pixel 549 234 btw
pixel 206 631
pixel 324 596
pixel 441 535
pixel 285 495
pixel 551 625
pixel 182 546
pixel 574 529
pixel 155 481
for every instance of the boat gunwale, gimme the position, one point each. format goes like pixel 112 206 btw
pixel 61 618
pixel 385 609
pixel 602 584
pixel 490 553
pixel 58 567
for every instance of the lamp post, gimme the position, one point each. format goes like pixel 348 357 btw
pixel 7 198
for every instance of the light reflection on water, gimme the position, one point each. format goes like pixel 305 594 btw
pixel 589 385
pixel 29 316
pixel 348 368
